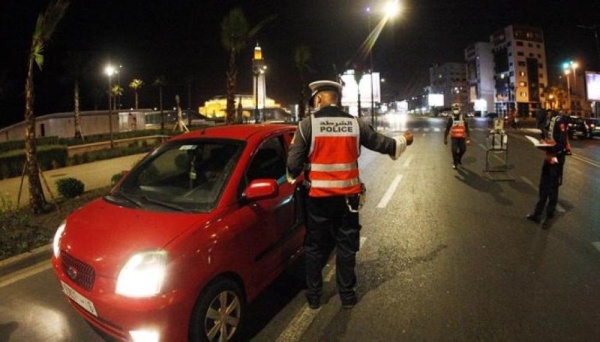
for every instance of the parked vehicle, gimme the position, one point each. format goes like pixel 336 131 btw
pixel 194 232
pixel 577 127
pixel 593 127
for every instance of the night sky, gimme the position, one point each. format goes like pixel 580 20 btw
pixel 181 39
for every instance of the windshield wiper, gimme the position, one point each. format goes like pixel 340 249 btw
pixel 164 204
pixel 124 196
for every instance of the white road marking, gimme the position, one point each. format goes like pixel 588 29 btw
pixel 559 208
pixel 408 160
pixel 388 194
pixel 25 273
pixel 296 328
pixel 597 245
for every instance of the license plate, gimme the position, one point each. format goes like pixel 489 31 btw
pixel 79 299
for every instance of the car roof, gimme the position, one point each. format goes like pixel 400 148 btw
pixel 242 132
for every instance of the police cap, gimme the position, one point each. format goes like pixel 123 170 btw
pixel 323 85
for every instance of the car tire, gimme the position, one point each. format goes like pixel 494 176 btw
pixel 221 299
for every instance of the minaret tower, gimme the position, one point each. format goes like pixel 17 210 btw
pixel 260 89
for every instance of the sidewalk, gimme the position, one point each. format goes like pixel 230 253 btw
pixel 93 175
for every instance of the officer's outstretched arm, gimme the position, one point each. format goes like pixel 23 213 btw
pixel 401 142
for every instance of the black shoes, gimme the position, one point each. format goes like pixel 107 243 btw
pixel 534 218
pixel 349 303
pixel 548 221
pixel 313 303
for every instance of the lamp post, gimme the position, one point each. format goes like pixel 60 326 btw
pixel 391 9
pixel 110 70
pixel 572 66
pixel 568 88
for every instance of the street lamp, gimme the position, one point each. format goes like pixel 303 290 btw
pixel 110 70
pixel 391 9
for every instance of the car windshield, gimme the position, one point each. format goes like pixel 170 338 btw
pixel 185 176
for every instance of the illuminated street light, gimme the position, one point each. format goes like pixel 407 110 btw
pixel 109 70
pixel 390 10
pixel 572 66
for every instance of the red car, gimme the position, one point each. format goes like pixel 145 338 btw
pixel 194 232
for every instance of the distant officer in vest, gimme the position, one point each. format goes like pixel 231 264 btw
pixel 552 170
pixel 326 148
pixel 458 128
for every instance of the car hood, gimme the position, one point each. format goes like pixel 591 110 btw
pixel 106 235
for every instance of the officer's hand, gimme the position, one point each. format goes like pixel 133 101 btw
pixel 409 137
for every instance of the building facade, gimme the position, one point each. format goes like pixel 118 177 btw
pixel 480 78
pixel 520 71
pixel 450 80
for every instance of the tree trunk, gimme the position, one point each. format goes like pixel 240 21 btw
pixel 136 100
pixel 231 81
pixel 36 193
pixel 78 133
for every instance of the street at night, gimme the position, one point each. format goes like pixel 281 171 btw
pixel 446 255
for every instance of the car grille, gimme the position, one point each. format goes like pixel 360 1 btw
pixel 79 272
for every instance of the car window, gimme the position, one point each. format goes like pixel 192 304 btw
pixel 268 162
pixel 189 175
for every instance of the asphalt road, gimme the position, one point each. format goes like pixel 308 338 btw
pixel 445 256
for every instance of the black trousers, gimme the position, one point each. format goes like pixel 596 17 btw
pixel 550 180
pixel 331 224
pixel 459 147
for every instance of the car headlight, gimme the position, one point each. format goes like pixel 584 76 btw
pixel 143 274
pixel 56 240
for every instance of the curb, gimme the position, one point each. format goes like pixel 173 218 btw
pixel 18 262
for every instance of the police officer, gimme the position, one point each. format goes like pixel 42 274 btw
pixel 326 148
pixel 458 128
pixel 552 170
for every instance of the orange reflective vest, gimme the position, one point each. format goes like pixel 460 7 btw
pixel 333 157
pixel 458 129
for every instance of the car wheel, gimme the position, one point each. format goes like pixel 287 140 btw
pixel 218 312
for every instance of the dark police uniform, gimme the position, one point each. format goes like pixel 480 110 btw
pixel 333 219
pixel 552 171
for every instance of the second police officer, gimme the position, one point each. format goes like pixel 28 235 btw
pixel 458 128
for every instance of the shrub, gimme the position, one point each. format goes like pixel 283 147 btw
pixel 70 187
pixel 18 233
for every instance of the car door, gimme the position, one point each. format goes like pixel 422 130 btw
pixel 275 234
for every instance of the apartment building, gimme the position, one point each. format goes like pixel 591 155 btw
pixel 449 79
pixel 520 73
pixel 480 78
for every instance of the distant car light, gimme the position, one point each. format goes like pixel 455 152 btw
pixel 142 275
pixel 56 240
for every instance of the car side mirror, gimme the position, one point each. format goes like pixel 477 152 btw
pixel 261 189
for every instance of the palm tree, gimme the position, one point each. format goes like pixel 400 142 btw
pixel 160 83
pixel 44 27
pixel 136 85
pixel 302 56
pixel 116 91
pixel 75 65
pixel 557 95
pixel 235 35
